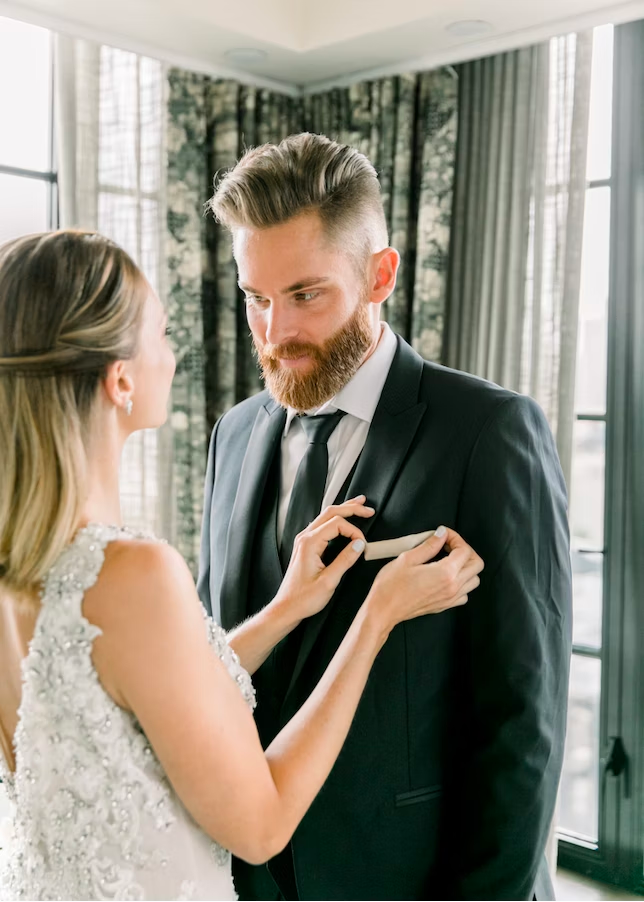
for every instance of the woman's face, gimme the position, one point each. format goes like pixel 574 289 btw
pixel 152 369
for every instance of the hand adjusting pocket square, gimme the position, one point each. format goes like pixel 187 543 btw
pixel 376 551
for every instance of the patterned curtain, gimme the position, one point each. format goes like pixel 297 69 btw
pixel 208 125
pixel 406 125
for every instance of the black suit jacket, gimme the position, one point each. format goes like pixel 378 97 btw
pixel 446 785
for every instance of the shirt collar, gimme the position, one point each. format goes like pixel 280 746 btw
pixel 361 394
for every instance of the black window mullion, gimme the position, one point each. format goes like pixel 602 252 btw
pixel 53 211
pixel 625 717
pixel 599 183
pixel 587 651
pixel 28 173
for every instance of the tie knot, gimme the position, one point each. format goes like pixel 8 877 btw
pixel 318 429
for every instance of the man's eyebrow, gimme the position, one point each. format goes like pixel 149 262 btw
pixel 297 286
pixel 306 283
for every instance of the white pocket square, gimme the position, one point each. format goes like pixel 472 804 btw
pixel 376 551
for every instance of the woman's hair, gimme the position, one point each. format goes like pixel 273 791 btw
pixel 70 304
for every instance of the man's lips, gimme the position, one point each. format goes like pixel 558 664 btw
pixel 294 362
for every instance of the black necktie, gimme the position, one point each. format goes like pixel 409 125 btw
pixel 310 481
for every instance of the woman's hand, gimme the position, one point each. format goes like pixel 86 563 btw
pixel 308 585
pixel 410 586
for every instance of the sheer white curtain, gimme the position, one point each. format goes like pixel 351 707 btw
pixel 517 226
pixel 549 352
pixel 110 114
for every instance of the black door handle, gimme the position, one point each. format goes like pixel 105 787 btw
pixel 616 763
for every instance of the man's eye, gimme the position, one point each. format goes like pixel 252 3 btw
pixel 254 299
pixel 306 295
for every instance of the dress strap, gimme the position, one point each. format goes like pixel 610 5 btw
pixel 78 567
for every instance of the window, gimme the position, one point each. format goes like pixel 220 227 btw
pixel 600 806
pixel 28 201
pixel 130 168
pixel 578 814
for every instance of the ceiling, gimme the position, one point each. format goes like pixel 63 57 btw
pixel 312 44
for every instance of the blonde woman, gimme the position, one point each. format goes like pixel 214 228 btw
pixel 126 729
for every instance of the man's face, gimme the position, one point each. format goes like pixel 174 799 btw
pixel 309 309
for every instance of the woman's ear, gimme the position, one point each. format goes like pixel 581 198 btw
pixel 118 383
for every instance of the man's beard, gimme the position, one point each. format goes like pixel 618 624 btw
pixel 334 363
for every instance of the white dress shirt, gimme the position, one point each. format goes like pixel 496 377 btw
pixel 359 399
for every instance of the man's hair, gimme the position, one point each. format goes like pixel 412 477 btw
pixel 304 173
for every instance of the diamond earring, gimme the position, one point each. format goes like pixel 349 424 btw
pixel 128 407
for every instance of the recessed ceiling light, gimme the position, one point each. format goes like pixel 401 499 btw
pixel 246 56
pixel 469 28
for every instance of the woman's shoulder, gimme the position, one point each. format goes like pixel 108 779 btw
pixel 144 599
pixel 140 575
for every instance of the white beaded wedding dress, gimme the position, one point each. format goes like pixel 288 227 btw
pixel 94 815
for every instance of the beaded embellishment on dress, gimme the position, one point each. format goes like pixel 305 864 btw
pixel 95 817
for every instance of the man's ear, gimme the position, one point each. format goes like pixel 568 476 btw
pixel 384 269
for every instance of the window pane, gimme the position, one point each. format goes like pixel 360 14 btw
pixel 118 219
pixel 139 480
pixel 152 109
pixel 25 76
pixel 149 261
pixel 601 105
pixel 579 792
pixel 587 491
pixel 588 581
pixel 118 119
pixel 23 206
pixel 592 342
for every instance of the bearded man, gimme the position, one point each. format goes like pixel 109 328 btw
pixel 446 786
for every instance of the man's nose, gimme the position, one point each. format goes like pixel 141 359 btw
pixel 281 325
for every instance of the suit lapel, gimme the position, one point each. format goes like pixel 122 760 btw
pixel 264 438
pixel 392 431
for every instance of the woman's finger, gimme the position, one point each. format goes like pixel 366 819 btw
pixel 427 549
pixel 319 537
pixel 455 602
pixel 347 558
pixel 462 560
pixel 353 508
pixel 471 585
pixel 473 566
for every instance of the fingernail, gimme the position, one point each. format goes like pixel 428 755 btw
pixel 358 546
pixel 440 532
pixel 360 498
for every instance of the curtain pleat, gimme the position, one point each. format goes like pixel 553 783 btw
pixel 515 252
pixel 185 248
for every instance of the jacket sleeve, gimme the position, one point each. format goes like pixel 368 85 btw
pixel 203 579
pixel 517 646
